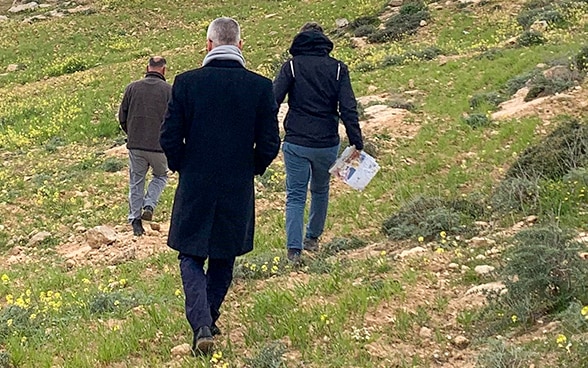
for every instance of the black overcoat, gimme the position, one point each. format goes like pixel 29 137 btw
pixel 220 130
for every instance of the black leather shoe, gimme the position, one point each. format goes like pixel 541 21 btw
pixel 214 330
pixel 203 342
pixel 147 213
pixel 137 227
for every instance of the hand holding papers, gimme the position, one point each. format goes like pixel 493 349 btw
pixel 356 168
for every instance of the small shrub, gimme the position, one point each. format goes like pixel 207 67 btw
pixel 5 361
pixel 393 60
pixel 428 217
pixel 399 26
pixel 516 194
pixel 341 244
pixel 519 81
pixel 541 85
pixel 112 164
pixel 547 13
pixel 581 59
pixel 365 30
pixel 530 38
pixel 428 53
pixel 401 104
pixel 490 54
pixel 562 151
pixel 365 67
pixel 579 175
pixel 491 98
pixel 269 356
pixel 502 355
pixel 372 21
pixel 477 120
pixel 412 7
pixel 543 274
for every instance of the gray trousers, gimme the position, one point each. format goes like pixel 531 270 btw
pixel 139 163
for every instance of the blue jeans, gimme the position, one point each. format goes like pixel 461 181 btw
pixel 304 165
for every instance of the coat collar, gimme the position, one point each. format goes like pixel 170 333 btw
pixel 223 64
pixel 154 75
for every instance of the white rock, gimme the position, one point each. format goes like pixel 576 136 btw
pixel 100 235
pixel 539 26
pixel 12 68
pixel 484 269
pixel 485 288
pixel 3 18
pixel 39 238
pixel 411 252
pixel 423 23
pixel 453 266
pixel 24 7
pixel 181 350
pixel 425 332
pixel 461 342
pixel 341 23
pixel 481 242
pixel 358 42
pixel 465 268
pixel 480 257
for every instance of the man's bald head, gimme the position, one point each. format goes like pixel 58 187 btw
pixel 156 64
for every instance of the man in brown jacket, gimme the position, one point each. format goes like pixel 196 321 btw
pixel 141 115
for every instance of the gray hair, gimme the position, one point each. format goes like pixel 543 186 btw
pixel 224 31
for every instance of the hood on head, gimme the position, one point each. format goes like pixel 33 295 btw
pixel 311 43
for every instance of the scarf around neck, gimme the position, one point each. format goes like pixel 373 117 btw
pixel 224 52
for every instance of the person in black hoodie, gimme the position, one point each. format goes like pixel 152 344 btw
pixel 319 95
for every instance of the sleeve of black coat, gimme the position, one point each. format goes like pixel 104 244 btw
pixel 267 137
pixel 348 109
pixel 172 129
pixel 282 82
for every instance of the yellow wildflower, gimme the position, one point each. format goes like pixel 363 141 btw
pixel 439 250
pixel 561 340
pixel 5 279
pixel 421 239
pixel 514 318
pixel 443 234
pixel 178 292
pixel 584 311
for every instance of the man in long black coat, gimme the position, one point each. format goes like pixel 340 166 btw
pixel 220 130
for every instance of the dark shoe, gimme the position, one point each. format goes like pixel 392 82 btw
pixel 137 227
pixel 214 330
pixel 203 342
pixel 310 244
pixel 294 255
pixel 147 213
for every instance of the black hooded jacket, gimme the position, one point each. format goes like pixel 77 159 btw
pixel 319 94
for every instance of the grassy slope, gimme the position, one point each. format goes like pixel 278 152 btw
pixel 53 132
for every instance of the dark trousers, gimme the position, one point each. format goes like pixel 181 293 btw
pixel 205 292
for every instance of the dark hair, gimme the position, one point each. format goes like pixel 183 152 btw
pixel 311 26
pixel 157 62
